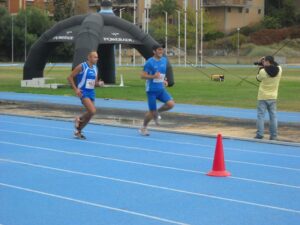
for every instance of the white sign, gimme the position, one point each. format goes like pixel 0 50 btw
pixel 118 39
pixel 70 38
pixel 147 4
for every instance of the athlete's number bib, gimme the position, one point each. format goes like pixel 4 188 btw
pixel 160 79
pixel 90 84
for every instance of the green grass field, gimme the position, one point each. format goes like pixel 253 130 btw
pixel 192 87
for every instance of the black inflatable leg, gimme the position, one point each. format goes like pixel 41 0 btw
pixel 106 63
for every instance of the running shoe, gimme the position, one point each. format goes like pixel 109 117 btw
pixel 157 118
pixel 78 134
pixel 144 131
pixel 77 123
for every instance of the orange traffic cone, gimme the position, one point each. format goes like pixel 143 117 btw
pixel 218 169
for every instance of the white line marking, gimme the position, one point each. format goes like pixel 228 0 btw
pixel 151 150
pixel 92 204
pixel 162 140
pixel 144 164
pixel 102 157
pixel 156 187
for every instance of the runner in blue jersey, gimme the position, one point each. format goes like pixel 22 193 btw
pixel 86 75
pixel 155 75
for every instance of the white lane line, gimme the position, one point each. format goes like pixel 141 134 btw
pixel 157 187
pixel 145 164
pixel 93 204
pixel 102 157
pixel 211 147
pixel 152 150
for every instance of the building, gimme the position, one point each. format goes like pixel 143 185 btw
pixel 15 5
pixel 228 14
pixel 124 5
pixel 3 3
pixel 233 14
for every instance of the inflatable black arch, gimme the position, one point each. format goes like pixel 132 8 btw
pixel 94 31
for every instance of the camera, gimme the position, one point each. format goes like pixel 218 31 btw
pixel 259 63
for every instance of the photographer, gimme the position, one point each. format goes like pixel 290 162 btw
pixel 269 77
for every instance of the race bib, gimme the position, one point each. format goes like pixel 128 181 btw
pixel 160 79
pixel 90 84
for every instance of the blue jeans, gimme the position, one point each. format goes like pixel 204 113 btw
pixel 262 106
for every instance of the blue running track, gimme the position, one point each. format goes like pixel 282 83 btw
pixel 288 117
pixel 117 177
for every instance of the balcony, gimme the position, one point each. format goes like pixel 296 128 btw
pixel 225 3
pixel 116 3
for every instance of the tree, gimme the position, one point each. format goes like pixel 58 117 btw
pixel 81 7
pixel 283 11
pixel 209 27
pixel 271 22
pixel 63 9
pixel 5 37
pixel 127 16
pixel 37 20
pixel 161 6
pixel 37 23
pixel 157 28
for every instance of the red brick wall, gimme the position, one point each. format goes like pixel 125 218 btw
pixel 16 5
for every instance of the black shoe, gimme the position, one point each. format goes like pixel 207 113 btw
pixel 259 137
pixel 78 134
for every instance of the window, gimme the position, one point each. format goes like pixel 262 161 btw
pixel 229 9
pixel 240 10
pixel 247 10
pixel 259 11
